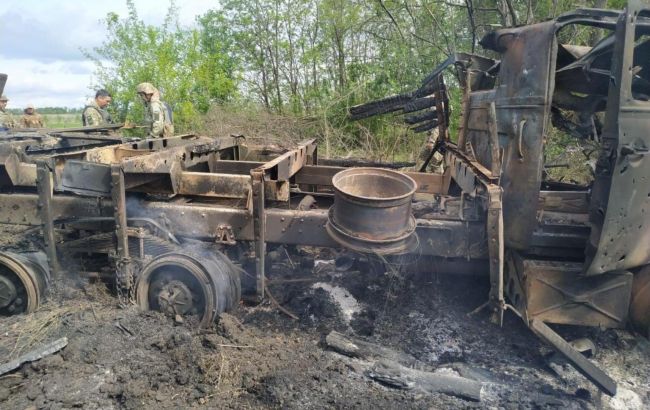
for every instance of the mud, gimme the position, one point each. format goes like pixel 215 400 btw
pixel 258 357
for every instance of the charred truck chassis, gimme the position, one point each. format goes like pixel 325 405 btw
pixel 159 216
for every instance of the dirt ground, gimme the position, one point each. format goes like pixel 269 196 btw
pixel 259 357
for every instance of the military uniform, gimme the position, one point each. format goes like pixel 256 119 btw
pixel 94 116
pixel 33 120
pixel 155 119
pixel 157 115
pixel 6 119
pixel 436 163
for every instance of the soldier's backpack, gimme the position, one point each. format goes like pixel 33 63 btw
pixel 168 128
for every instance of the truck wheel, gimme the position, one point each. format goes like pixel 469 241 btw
pixel 23 282
pixel 178 283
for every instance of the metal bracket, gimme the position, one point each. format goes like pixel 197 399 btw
pixel 225 235
pixel 581 364
pixel 45 187
pixel 124 268
pixel 495 161
pixel 496 250
pixel 259 229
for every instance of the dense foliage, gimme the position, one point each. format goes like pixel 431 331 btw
pixel 307 58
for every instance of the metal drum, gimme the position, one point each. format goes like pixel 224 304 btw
pixel 372 211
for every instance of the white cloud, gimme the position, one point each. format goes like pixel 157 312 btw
pixel 40 44
pixel 55 83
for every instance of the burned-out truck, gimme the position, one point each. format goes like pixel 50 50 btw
pixel 166 219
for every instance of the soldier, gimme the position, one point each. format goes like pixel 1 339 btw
pixel 436 163
pixel 31 119
pixel 6 119
pixel 157 114
pixel 95 113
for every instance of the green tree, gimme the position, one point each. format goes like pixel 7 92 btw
pixel 190 71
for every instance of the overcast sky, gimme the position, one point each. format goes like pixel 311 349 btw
pixel 40 44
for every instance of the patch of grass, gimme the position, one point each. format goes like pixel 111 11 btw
pixel 62 120
pixel 337 137
pixel 571 160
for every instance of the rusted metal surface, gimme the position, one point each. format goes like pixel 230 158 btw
pixel 124 264
pixel 640 302
pixel 225 235
pixel 322 175
pixel 364 196
pixel 523 101
pixel 556 292
pixel 86 179
pixel 24 209
pixel 584 366
pixel 214 185
pixel 620 205
pixel 165 169
pixel 496 248
pixel 46 213
pixel 508 106
pixel 288 164
pixel 259 230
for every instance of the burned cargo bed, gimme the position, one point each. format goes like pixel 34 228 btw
pixel 164 218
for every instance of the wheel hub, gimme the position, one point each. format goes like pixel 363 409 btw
pixel 8 292
pixel 175 298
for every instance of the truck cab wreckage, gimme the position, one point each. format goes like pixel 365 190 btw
pixel 164 218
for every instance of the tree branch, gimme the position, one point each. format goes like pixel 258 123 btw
pixel 381 3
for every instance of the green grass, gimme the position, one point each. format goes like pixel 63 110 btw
pixel 62 120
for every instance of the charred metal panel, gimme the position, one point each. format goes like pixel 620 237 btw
pixel 470 175
pixel 214 185
pixel 564 201
pixel 451 239
pixel 286 165
pixel 86 178
pixel 620 204
pixel 159 171
pixel 522 105
pixel 322 175
pixel 560 235
pixel 478 142
pixel 23 209
pixel 558 292
pixel 14 172
pixel 448 238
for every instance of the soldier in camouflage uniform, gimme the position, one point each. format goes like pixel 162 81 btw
pixel 157 114
pixel 95 113
pixel 31 119
pixel 436 163
pixel 6 119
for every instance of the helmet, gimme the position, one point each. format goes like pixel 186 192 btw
pixel 3 98
pixel 29 106
pixel 146 88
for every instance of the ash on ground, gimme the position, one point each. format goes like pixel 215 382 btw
pixel 258 357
